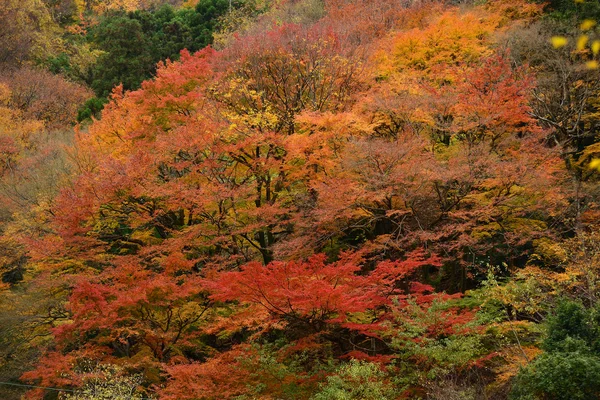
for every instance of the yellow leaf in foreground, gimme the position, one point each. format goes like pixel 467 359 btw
pixel 587 24
pixel 559 41
pixel 581 42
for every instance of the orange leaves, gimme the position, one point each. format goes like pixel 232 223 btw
pixel 242 371
pixel 54 369
pixel 493 101
pixel 183 155
pixel 516 10
pixel 274 77
pixel 371 187
pixel 201 199
pixel 457 118
pixel 161 105
pixel 222 376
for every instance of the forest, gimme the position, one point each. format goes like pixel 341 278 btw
pixel 300 199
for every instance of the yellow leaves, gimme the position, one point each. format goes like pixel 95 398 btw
pixel 511 224
pixel 103 6
pixel 146 236
pixel 587 24
pixel 82 58
pixel 79 6
pixel 548 252
pixel 33 31
pixel 189 4
pixel 590 157
pixel 530 290
pixel 264 119
pixel 14 126
pixel 582 42
pixel 559 41
pixel 4 94
pixel 516 357
pixel 249 109
pixel 452 39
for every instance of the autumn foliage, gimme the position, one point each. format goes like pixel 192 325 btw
pixel 339 187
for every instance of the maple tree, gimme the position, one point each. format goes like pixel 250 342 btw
pixel 316 303
pixel 291 70
pixel 462 138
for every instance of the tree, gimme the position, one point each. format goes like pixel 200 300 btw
pixel 570 367
pixel 27 34
pixel 310 295
pixel 437 173
pixel 125 59
pixel 132 43
pixel 292 69
pixel 304 212
pixel 559 376
pixel 357 380
pixel 42 96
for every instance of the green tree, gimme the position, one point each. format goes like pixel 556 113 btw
pixel 565 9
pixel 357 380
pixel 570 367
pixel 133 43
pixel 126 58
pixel 559 376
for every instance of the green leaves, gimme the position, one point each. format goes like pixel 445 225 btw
pixel 133 43
pixel 570 368
pixel 357 380
pixel 559 376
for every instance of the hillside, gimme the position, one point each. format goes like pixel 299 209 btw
pixel 299 199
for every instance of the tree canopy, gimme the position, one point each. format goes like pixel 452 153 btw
pixel 337 200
